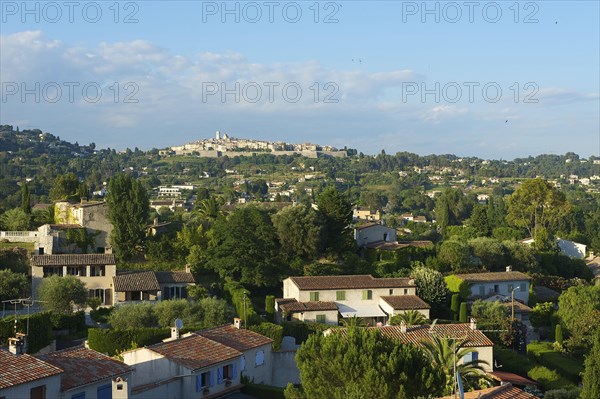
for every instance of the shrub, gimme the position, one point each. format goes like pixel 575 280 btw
pixel 558 335
pixel 562 394
pixel 542 315
pixel 101 315
pixel 301 331
pixel 270 307
pixel 513 361
pixel 112 342
pixel 463 312
pixel 73 322
pixel 548 379
pixel 273 331
pixel 455 306
pixel 40 330
pixel 545 354
pixel 459 286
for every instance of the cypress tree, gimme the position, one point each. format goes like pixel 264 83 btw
pixel 591 375
pixel 25 199
pixel 454 306
pixel 558 334
pixel 463 312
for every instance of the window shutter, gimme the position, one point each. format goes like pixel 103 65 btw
pixel 234 371
pixel 220 375
pixel 211 379
pixel 475 356
pixel 91 293
pixel 107 296
pixel 243 363
pixel 198 382
pixel 166 293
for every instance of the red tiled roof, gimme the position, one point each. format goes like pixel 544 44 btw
pixel 406 302
pixel 195 351
pixel 367 225
pixel 502 392
pixel 174 277
pixel 416 335
pixel 294 306
pixel 16 370
pixel 83 366
pixel 136 281
pixel 238 339
pixel 493 276
pixel 505 376
pixel 74 260
pixel 349 282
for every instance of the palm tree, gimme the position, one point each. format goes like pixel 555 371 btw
pixel 354 321
pixel 410 317
pixel 443 353
pixel 208 208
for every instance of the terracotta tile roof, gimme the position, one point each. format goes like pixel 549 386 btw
pixel 294 306
pixel 195 351
pixel 368 225
pixel 416 335
pixel 83 366
pixel 238 339
pixel 493 276
pixel 16 370
pixel 505 376
pixel 349 282
pixel 74 260
pixel 406 302
pixel 149 280
pixel 174 277
pixel 502 392
pixel 136 281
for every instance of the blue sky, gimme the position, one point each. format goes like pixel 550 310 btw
pixel 490 79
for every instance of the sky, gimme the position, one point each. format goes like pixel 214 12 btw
pixel 497 80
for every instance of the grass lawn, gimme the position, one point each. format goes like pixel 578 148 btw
pixel 29 246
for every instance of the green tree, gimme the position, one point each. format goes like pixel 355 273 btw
pixel 299 231
pixel 133 316
pixel 25 199
pixel 244 248
pixel 542 314
pixel 15 220
pixel 442 354
pixel 431 286
pixel 13 285
pixel 455 305
pixel 489 251
pixel 490 311
pixel 128 210
pixel 558 335
pixel 536 205
pixel 591 375
pixel 364 364
pixel 463 312
pixel 454 254
pixel 410 317
pixel 479 220
pixel 61 294
pixel 336 213
pixel 65 187
pixel 575 303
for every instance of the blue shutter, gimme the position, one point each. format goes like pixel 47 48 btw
pixel 220 375
pixel 234 371
pixel 80 395
pixel 475 357
pixel 211 379
pixel 198 382
pixel 104 392
pixel 243 363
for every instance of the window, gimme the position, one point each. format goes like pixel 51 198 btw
pixel 97 293
pixel 321 318
pixel 38 392
pixel 406 291
pixel 471 357
pixel 76 271
pixel 97 271
pixel 482 290
pixel 496 288
pixel 49 271
pixel 204 380
pixel 385 236
pixel 391 291
pixel 367 294
pixel 41 250
pixel 340 295
pixel 522 287
pixel 259 359
pixel 230 371
pixel 314 296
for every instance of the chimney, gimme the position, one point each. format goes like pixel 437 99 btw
pixel 473 324
pixel 120 388
pixel 175 333
pixel 403 326
pixel 18 345
pixel 156 221
pixel 188 268
pixel 509 268
pixel 237 322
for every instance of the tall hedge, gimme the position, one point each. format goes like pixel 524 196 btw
pixel 463 312
pixel 242 306
pixel 73 322
pixel 111 341
pixel 40 330
pixel 455 306
pixel 273 331
pixel 459 286
pixel 270 307
pixel 301 331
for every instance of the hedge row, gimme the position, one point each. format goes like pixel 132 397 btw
pixel 263 391
pixel 112 342
pixel 40 330
pixel 301 331
pixel 241 299
pixel 545 354
pixel 73 322
pixel 273 331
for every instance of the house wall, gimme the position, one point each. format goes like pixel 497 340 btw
pixel 387 308
pixel 331 316
pixel 24 390
pixel 374 234
pixel 90 390
pixel 93 217
pixel 486 353
pixel 260 374
pixel 285 369
pixel 503 289
pixel 572 249
pixel 354 295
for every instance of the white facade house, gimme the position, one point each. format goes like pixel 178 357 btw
pixel 571 248
pixel 483 285
pixel 24 376
pixel 365 213
pixel 315 298
pixel 372 233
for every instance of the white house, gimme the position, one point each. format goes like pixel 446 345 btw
pixel 571 248
pixel 95 270
pixel 365 213
pixel 314 298
pixel 372 233
pixel 399 304
pixel 483 285
pixel 24 376
pixel 89 374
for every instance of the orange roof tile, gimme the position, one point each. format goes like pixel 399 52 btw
pixel 349 282
pixel 238 339
pixel 20 369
